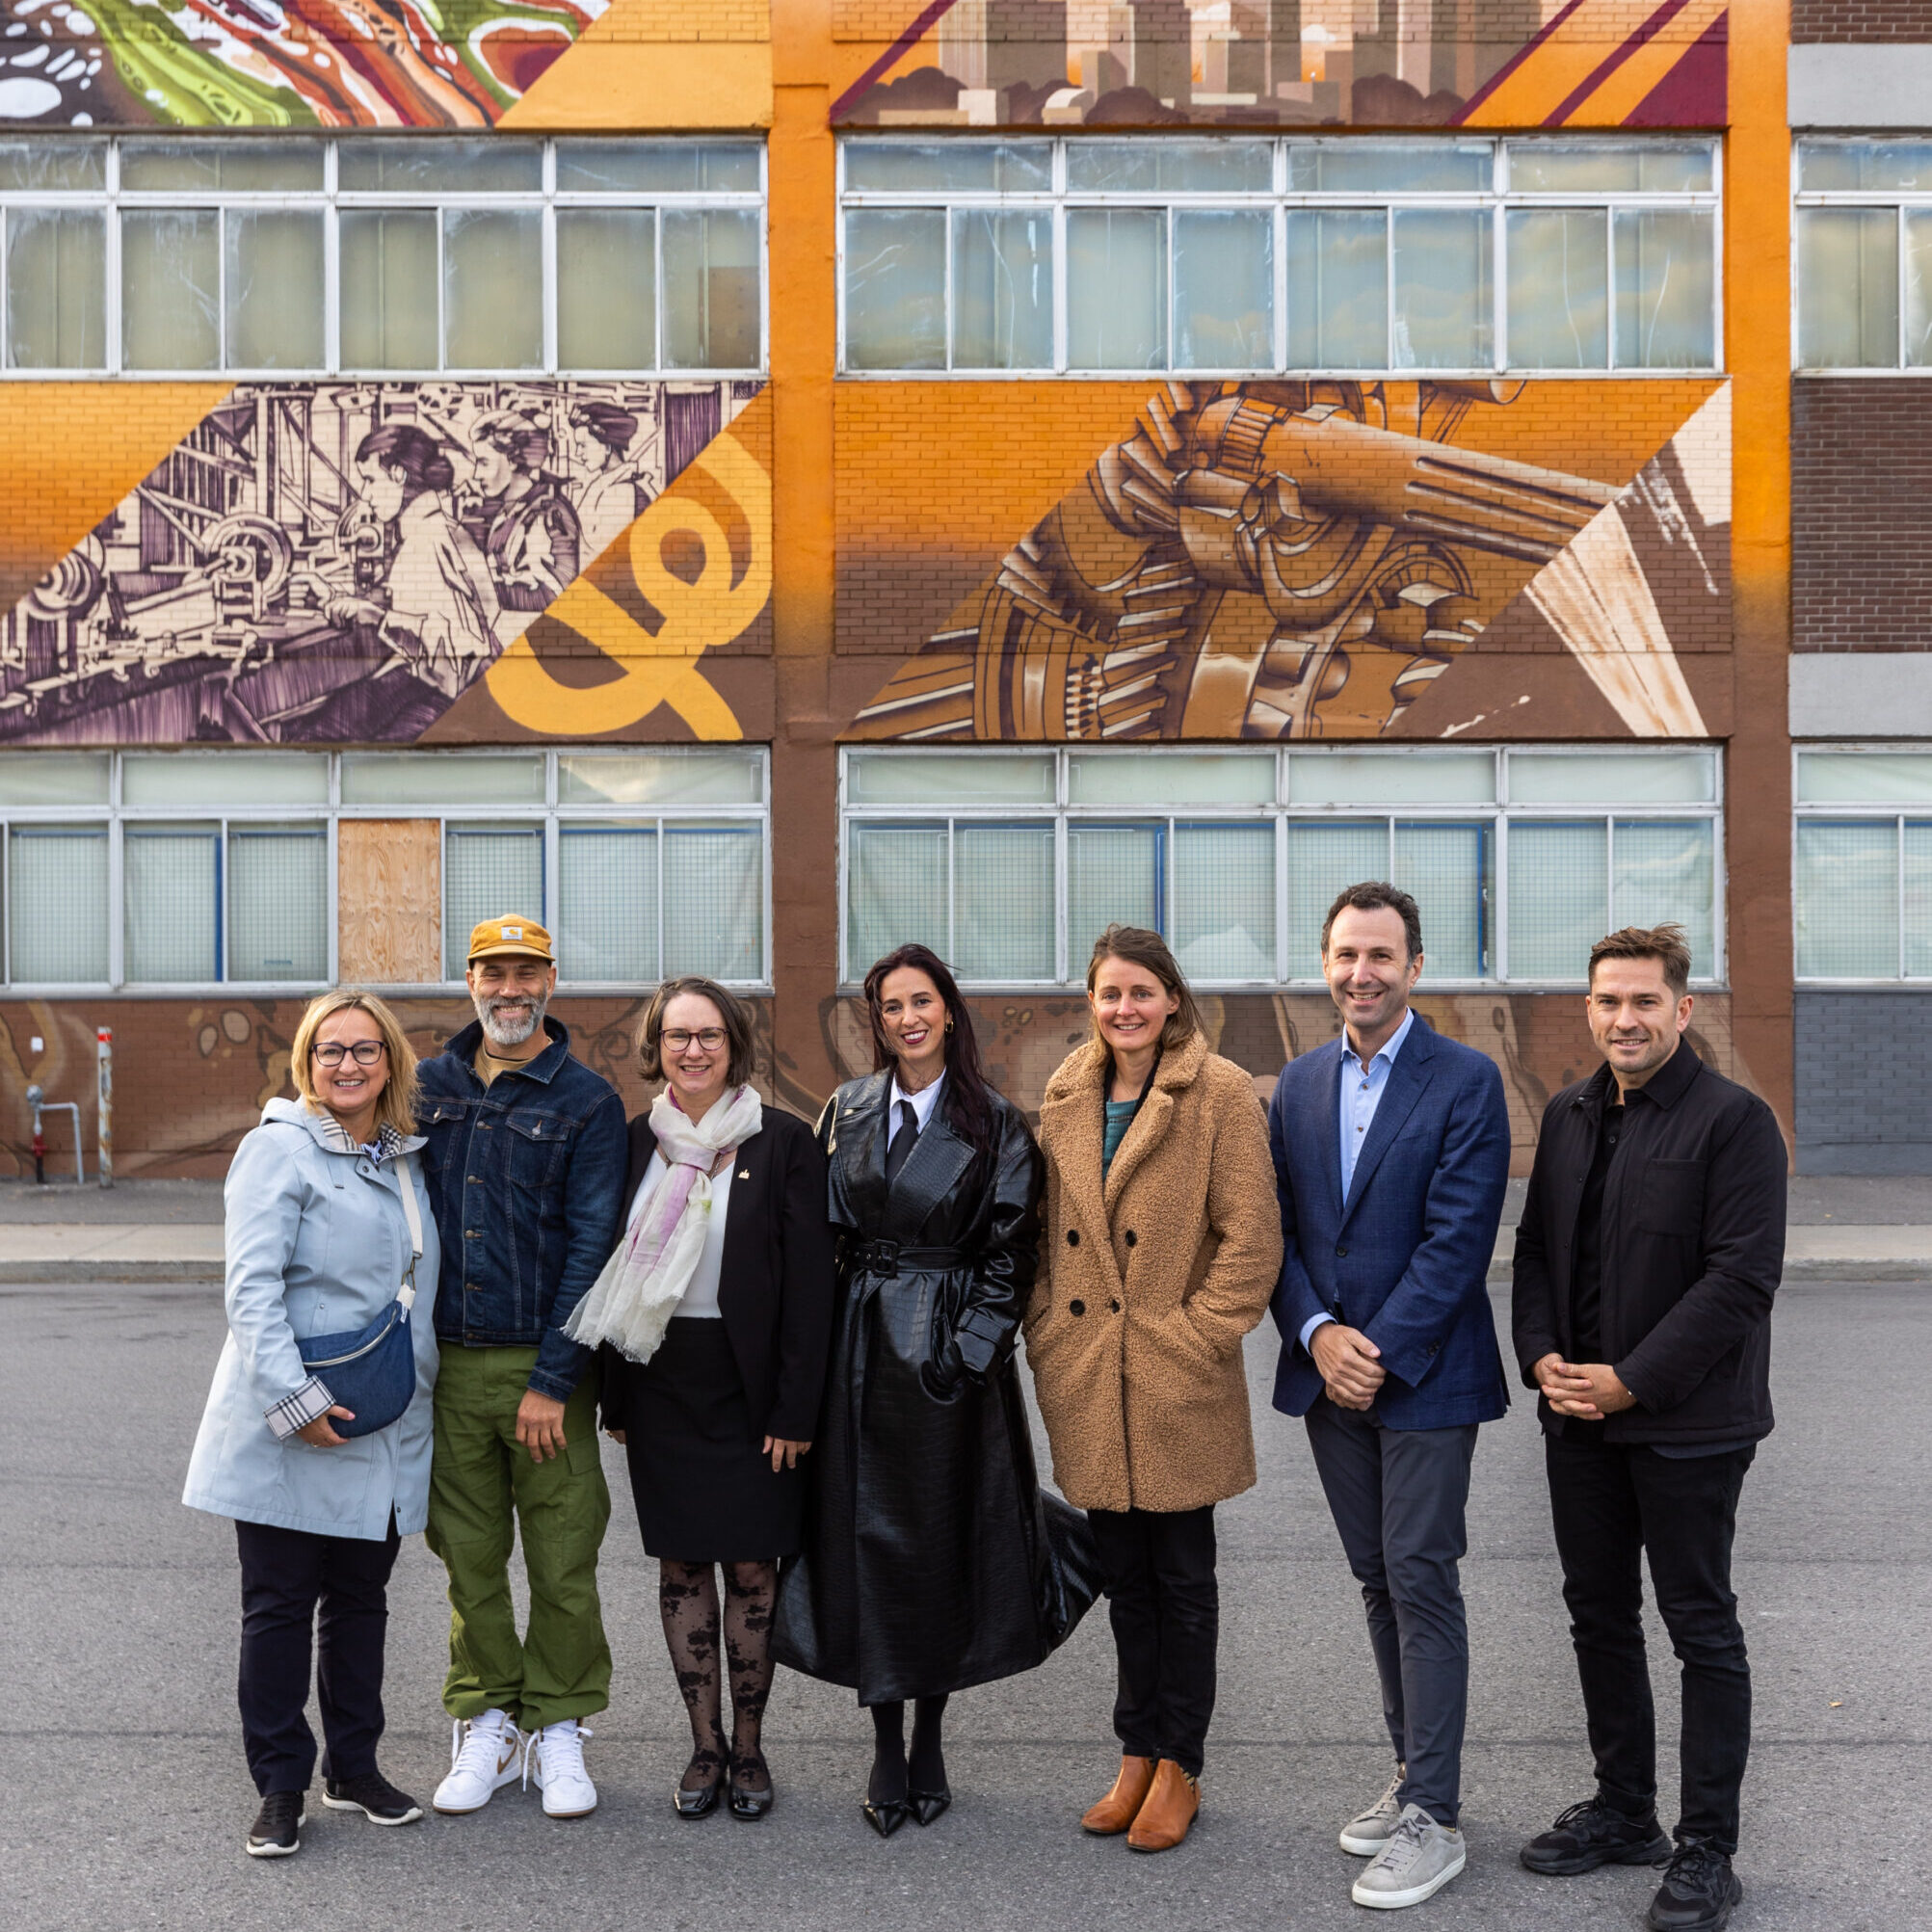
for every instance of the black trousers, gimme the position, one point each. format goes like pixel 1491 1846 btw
pixel 1165 1605
pixel 1612 1502
pixel 286 1575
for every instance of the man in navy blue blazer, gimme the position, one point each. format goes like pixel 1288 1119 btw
pixel 1391 1155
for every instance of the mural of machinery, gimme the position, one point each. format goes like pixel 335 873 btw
pixel 1261 560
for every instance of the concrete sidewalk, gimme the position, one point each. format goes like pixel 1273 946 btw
pixel 171 1231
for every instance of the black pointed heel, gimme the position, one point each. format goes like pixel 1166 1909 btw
pixel 929 1805
pixel 886 1818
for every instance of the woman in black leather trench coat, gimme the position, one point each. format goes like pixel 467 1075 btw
pixel 932 1561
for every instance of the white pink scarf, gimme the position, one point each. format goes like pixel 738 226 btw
pixel 631 1302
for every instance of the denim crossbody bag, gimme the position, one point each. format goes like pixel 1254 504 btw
pixel 372 1372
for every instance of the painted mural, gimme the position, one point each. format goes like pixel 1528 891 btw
pixel 1287 63
pixel 342 562
pixel 1308 560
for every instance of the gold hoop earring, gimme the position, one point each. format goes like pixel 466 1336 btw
pixel 949 1022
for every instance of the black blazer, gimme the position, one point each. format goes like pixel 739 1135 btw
pixel 1692 1248
pixel 775 1288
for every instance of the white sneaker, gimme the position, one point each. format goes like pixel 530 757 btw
pixel 1419 1859
pixel 483 1756
pixel 553 1760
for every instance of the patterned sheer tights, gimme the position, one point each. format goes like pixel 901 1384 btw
pixel 687 1599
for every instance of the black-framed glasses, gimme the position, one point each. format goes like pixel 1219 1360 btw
pixel 679 1038
pixel 366 1053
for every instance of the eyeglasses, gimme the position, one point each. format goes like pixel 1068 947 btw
pixel 330 1052
pixel 677 1039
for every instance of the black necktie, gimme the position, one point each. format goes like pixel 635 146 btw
pixel 901 1143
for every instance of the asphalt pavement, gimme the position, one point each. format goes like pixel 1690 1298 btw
pixel 127 1798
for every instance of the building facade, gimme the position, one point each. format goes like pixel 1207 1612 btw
pixel 754 484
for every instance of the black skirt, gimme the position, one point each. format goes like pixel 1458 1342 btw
pixel 704 1488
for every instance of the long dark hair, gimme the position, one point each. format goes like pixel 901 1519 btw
pixel 967 1099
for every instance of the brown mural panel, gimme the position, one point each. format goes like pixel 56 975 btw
pixel 389 898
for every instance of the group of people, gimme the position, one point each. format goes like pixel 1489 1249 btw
pixel 804 1342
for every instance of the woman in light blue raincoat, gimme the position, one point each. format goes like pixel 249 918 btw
pixel 320 1238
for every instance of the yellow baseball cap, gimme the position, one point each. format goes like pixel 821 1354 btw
pixel 511 934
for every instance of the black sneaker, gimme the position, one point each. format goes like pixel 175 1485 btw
pixel 276 1832
pixel 1591 1833
pixel 374 1796
pixel 1699 1891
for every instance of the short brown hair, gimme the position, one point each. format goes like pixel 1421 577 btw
pixel 1665 944
pixel 1140 947
pixel 396 1104
pixel 733 1010
pixel 1377 896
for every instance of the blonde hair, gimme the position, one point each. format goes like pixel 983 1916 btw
pixel 396 1105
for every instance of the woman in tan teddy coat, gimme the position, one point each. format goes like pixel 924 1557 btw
pixel 1163 1247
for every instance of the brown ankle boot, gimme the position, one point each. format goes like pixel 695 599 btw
pixel 1168 1810
pixel 1118 1810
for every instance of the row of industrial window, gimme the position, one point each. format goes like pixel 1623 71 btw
pixel 300 255
pixel 297 869
pixel 1244 255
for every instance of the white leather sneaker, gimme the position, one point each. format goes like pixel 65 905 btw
pixel 553 1760
pixel 485 1753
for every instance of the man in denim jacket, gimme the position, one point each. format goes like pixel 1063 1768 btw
pixel 525 1163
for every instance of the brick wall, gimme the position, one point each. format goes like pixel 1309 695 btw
pixel 1862 20
pixel 1862 513
pixel 1863 1063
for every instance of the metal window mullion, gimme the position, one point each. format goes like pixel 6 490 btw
pixel 657 844
pixel 117 943
pixel 657 277
pixel 111 294
pixel 1610 871
pixel 333 868
pixel 1059 288
pixel 1388 283
pixel 1498 285
pixel 1902 294
pixel 1281 279
pixel 547 247
pixel 442 292
pixel 1499 926
pixel 553 871
pixel 1282 969
pixel 1062 889
pixel 949 318
pixel 952 907
pixel 1898 870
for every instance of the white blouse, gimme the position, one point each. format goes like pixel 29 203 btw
pixel 701 1298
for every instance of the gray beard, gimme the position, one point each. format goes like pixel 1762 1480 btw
pixel 509 1032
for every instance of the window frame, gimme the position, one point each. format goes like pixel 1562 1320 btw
pixel 550 816
pixel 1498 200
pixel 1901 202
pixel 1869 811
pixel 331 202
pixel 1500 813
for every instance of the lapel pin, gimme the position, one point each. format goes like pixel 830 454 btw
pixel 744 1173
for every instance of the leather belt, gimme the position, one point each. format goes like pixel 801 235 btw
pixel 889 1257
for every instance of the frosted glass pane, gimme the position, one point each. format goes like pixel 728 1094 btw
pixel 1917 881
pixel 606 289
pixel 1444 303
pixel 1162 779
pixel 1918 290
pixel 1559 288
pixel 714 900
pixel 1587 778
pixel 488 873
pixel 1337 288
pixel 1002 289
pixel 928 778
pixel 277 902
pixel 1609 167
pixel 1826 165
pixel 56 288
pixel 1391 777
pixel 1003 901
pixel 1223 289
pixel 225 778
pixel 1558 898
pixel 173 877
pixel 492 280
pixel 280 165
pixel 459 778
pixel 896 889
pixel 1666 285
pixel 661 778
pixel 1445 868
pixel 274 288
pixel 711 303
pixel 1166 165
pixel 1663 875
pixel 388 280
pixel 39 164
pixel 171 280
pixel 1113 877
pixel 1845 893
pixel 658 166
pixel 57 905
pixel 1116 288
pixel 53 778
pixel 413 166
pixel 607 902
pixel 1847 288
pixel 1859 777
pixel 1224 901
pixel 895 289
pixel 1356 167
pixel 1323 858
pixel 966 167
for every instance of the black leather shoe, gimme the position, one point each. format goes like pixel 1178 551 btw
pixel 751 1801
pixel 700 1801
pixel 1699 1892
pixel 928 1805
pixel 887 1816
pixel 1592 1833
pixel 276 1832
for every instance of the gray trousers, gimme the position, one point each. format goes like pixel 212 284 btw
pixel 1398 1497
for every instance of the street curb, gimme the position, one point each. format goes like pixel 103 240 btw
pixel 1812 1268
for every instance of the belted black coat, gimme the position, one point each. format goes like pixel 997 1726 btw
pixel 931 1561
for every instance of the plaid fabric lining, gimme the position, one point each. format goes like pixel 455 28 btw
pixel 294 1413
pixel 384 1147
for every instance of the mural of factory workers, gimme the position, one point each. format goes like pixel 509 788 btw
pixel 241 63
pixel 338 562
pixel 1285 63
pixel 1306 560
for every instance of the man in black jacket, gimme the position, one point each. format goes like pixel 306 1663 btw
pixel 1649 1248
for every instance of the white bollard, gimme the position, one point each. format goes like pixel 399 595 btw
pixel 104 1104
